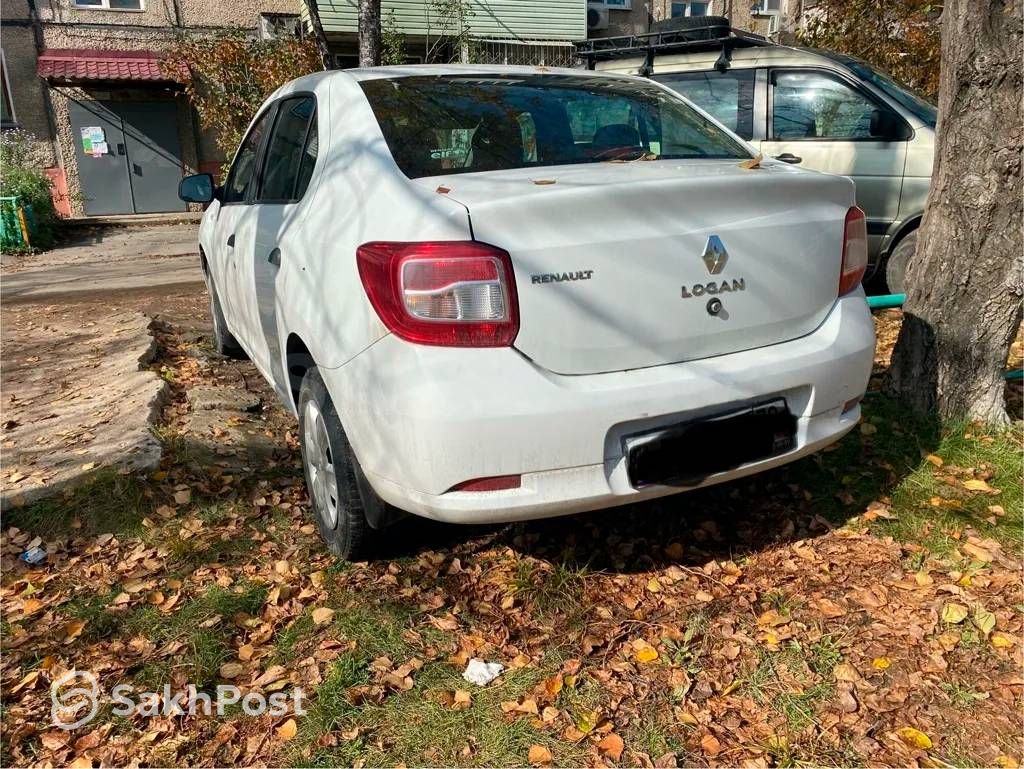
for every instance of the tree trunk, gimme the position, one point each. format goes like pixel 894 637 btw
pixel 964 283
pixel 318 33
pixel 369 33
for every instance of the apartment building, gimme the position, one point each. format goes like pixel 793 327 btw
pixel 111 125
pixel 778 19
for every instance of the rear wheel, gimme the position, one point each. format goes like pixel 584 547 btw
pixel 896 266
pixel 339 493
pixel 224 341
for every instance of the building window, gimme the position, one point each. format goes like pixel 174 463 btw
pixel 767 6
pixel 111 5
pixel 690 9
pixel 8 117
pixel 619 5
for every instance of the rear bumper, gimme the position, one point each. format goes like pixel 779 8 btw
pixel 423 419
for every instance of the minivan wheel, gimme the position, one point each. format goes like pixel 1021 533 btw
pixel 338 492
pixel 224 341
pixel 896 266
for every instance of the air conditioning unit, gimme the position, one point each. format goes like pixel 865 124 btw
pixel 597 16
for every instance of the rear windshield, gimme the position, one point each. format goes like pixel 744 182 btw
pixel 460 124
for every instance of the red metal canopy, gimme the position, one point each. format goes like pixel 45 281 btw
pixel 75 65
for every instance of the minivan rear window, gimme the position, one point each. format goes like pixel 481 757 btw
pixel 452 124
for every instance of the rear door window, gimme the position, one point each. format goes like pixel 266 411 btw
pixel 464 124
pixel 286 151
pixel 726 96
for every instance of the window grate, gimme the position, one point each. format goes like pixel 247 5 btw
pixel 550 54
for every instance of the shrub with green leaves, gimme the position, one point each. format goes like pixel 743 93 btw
pixel 21 177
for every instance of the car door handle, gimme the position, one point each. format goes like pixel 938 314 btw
pixel 231 240
pixel 275 257
pixel 789 157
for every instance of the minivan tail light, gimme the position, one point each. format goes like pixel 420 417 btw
pixel 855 251
pixel 456 293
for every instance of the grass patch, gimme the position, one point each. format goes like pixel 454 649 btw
pixel 206 639
pixel 888 460
pixel 110 502
pixel 555 587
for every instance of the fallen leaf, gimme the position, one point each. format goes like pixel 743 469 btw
pixel 73 629
pixel 231 670
pixel 935 460
pixel 288 729
pixel 984 620
pixel 954 613
pixel 644 652
pixel 1001 641
pixel 844 671
pixel 914 738
pixel 539 755
pixel 462 700
pixel 322 616
pixel 976 484
pixel 710 744
pixel 612 746
pixel 881 663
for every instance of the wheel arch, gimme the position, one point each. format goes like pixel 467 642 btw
pixel 904 229
pixel 298 360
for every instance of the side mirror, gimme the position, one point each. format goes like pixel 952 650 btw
pixel 887 126
pixel 196 189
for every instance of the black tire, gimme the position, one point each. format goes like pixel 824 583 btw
pixel 224 341
pixel 896 265
pixel 343 527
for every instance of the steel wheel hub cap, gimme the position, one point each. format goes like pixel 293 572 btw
pixel 320 465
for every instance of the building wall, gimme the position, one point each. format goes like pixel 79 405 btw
pixel 637 20
pixel 497 19
pixel 62 25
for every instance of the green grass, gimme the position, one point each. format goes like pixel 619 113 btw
pixel 555 587
pixel 205 648
pixel 110 502
pixel 863 468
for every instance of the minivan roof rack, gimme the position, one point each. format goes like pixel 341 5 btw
pixel 691 39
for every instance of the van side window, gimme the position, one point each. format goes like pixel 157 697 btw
pixel 242 169
pixel 813 105
pixel 727 96
pixel 286 151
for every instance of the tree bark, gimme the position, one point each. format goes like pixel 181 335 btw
pixel 318 33
pixel 369 33
pixel 964 283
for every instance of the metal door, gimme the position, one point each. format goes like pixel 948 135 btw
pixel 154 153
pixel 129 157
pixel 103 170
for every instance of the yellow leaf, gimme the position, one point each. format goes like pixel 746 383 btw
pixel 245 652
pixel 935 460
pixel 915 738
pixel 461 700
pixel 31 606
pixel 984 620
pixel 539 755
pixel 1001 641
pixel 553 685
pixel 1007 762
pixel 881 663
pixel 644 652
pixel 954 613
pixel 323 615
pixel 288 729
pixel 976 484
pixel 653 585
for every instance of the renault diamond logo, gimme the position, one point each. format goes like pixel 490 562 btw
pixel 715 256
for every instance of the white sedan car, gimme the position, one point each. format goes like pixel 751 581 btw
pixel 501 293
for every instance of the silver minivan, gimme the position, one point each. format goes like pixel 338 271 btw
pixel 812 108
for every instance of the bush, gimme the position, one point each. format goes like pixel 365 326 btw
pixel 20 177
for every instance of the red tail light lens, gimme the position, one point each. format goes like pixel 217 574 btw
pixel 456 293
pixel 855 251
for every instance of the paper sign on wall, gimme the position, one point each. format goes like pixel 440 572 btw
pixel 94 141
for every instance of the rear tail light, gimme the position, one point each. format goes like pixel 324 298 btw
pixel 855 251
pixel 493 483
pixel 456 293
